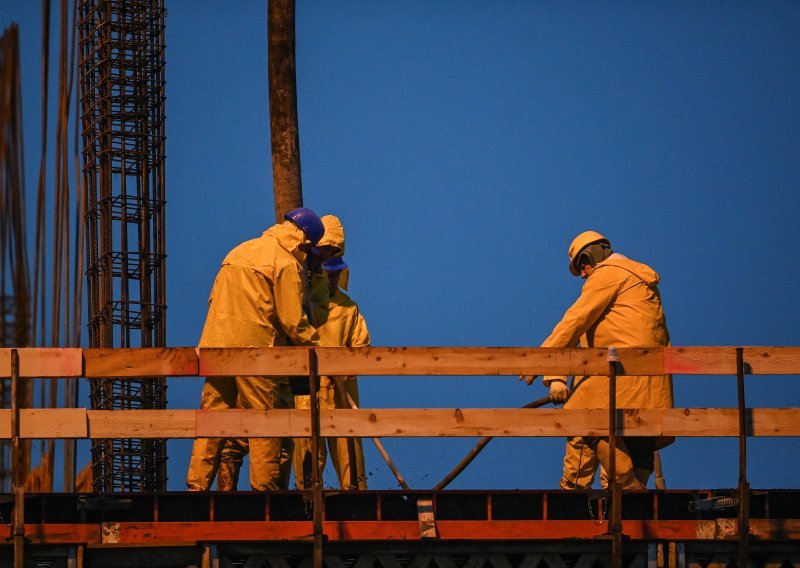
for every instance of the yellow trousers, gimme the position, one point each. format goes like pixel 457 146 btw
pixel 264 393
pixel 230 463
pixel 343 451
pixel 584 455
pixel 218 393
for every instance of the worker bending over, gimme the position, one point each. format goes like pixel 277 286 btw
pixel 344 326
pixel 619 306
pixel 257 301
pixel 339 323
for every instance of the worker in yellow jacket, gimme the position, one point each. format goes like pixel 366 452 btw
pixel 619 306
pixel 344 326
pixel 257 301
pixel 331 244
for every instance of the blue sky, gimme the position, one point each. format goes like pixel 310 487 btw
pixel 463 145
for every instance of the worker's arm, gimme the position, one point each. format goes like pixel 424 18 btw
pixel 600 289
pixel 597 294
pixel 359 334
pixel 287 290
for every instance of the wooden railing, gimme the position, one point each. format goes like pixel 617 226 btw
pixel 294 361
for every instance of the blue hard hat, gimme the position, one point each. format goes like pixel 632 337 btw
pixel 308 222
pixel 334 264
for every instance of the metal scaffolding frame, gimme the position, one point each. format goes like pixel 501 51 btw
pixel 122 113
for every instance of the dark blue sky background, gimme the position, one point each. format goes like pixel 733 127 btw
pixel 464 145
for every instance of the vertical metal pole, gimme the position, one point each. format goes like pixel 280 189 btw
pixel 316 474
pixel 18 472
pixel 616 492
pixel 744 487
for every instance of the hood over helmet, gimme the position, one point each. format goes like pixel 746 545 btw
pixel 290 237
pixel 334 234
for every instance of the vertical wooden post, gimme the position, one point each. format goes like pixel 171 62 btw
pixel 316 474
pixel 283 126
pixel 744 486
pixel 17 470
pixel 616 492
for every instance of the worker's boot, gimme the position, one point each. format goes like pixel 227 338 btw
pixel 625 473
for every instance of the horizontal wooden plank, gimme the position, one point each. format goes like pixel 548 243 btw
pixel 700 422
pixel 5 423
pixel 143 362
pixel 268 361
pixel 484 361
pixel 722 360
pixel 141 423
pixel 476 361
pixel 700 360
pixel 772 360
pixel 440 422
pixel 44 362
pixel 39 423
pixel 241 423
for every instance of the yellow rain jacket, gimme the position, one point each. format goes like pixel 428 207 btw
pixel 334 237
pixel 256 301
pixel 619 306
pixel 257 298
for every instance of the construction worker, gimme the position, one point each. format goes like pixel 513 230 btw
pixel 331 244
pixel 619 306
pixel 344 326
pixel 257 301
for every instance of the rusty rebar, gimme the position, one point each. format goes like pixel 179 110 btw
pixel 122 117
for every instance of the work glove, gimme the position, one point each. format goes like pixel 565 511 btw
pixel 528 378
pixel 558 391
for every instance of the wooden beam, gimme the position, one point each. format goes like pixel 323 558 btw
pixel 44 362
pixel 40 423
pixel 722 360
pixel 771 360
pixel 440 422
pixel 474 361
pixel 269 361
pixel 141 423
pixel 241 423
pixel 483 361
pixel 6 414
pixel 143 362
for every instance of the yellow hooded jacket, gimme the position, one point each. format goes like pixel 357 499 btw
pixel 257 297
pixel 619 306
pixel 334 236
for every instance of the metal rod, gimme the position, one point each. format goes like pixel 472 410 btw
pixel 473 453
pixel 616 491
pixel 18 471
pixel 316 474
pixel 744 487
